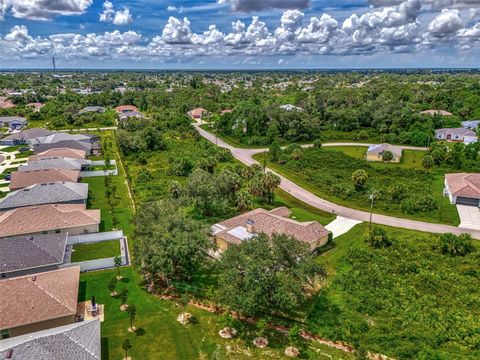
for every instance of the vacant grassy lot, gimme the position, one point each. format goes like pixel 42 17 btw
pixel 92 251
pixel 160 336
pixel 401 191
pixel 407 301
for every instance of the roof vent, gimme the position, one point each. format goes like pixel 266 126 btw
pixel 9 354
pixel 33 278
pixel 251 226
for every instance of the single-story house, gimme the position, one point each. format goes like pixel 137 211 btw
pixel 13 122
pixel 95 109
pixel 245 226
pixel 22 179
pixel 73 219
pixel 56 163
pixel 59 152
pixel 129 114
pixel 38 302
pixel 375 152
pixel 290 107
pixel 77 341
pixel 471 124
pixel 6 103
pixel 46 193
pixel 28 254
pixel 456 134
pixel 125 108
pixel 88 143
pixel 436 112
pixel 24 136
pixel 36 106
pixel 197 113
pixel 463 188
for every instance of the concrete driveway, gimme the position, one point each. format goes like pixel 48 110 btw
pixel 469 217
pixel 341 225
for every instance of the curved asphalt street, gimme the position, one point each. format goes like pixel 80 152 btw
pixel 245 156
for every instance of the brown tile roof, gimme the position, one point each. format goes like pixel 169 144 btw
pixel 22 179
pixel 35 219
pixel 464 184
pixel 39 297
pixel 59 152
pixel 271 222
pixel 123 108
pixel 196 112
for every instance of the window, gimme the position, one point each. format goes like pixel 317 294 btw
pixel 57 231
pixel 44 232
pixel 4 334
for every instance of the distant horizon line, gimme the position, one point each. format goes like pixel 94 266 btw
pixel 66 69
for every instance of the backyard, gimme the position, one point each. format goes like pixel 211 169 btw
pixel 159 335
pixel 327 173
pixel 97 250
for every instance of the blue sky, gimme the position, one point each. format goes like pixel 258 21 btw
pixel 199 34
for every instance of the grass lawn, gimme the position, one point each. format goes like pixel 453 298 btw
pixel 98 200
pixel 230 140
pixel 98 250
pixel 315 176
pixel 407 301
pixel 160 336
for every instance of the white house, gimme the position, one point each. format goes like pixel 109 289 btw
pixel 466 136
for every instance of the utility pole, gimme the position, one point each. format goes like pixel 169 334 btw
pixel 54 66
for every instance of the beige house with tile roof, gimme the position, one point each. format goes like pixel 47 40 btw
pixel 37 302
pixel 23 179
pixel 463 188
pixel 45 219
pixel 243 227
pixel 59 152
pixel 375 152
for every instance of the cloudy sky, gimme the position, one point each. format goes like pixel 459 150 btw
pixel 239 34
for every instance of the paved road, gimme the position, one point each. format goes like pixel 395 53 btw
pixel 245 156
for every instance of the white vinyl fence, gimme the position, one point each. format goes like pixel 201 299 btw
pixel 105 172
pixel 95 237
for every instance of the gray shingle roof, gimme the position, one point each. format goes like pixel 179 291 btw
pixel 78 341
pixel 60 136
pixel 31 251
pixel 9 119
pixel 28 134
pixel 55 163
pixel 72 144
pixel 46 193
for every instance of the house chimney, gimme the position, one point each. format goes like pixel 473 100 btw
pixel 251 226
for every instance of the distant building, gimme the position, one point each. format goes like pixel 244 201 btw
pixel 13 122
pixel 471 124
pixel 463 188
pixel 377 151
pixel 36 106
pixel 290 107
pixel 197 114
pixel 95 109
pixel 77 341
pixel 125 109
pixel 29 254
pixel 436 112
pixel 226 111
pixel 6 103
pixel 38 302
pixel 73 219
pixel 125 115
pixel 456 134
pixel 244 227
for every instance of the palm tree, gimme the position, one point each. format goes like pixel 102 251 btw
pixel 359 178
pixel 427 162
pixel 387 156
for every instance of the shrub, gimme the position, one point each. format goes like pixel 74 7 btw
pixel 450 244
pixel 378 238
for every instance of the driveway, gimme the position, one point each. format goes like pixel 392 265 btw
pixel 469 216
pixel 341 225
pixel 245 156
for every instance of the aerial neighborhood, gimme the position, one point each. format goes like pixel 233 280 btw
pixel 155 215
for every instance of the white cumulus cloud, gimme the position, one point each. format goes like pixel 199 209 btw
pixel 117 17
pixel 43 9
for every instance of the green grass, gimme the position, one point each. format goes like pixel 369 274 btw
pixel 407 301
pixel 160 336
pixel 98 250
pixel 446 212
pixel 230 140
pixel 12 148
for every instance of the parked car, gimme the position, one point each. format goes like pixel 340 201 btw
pixel 24 149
